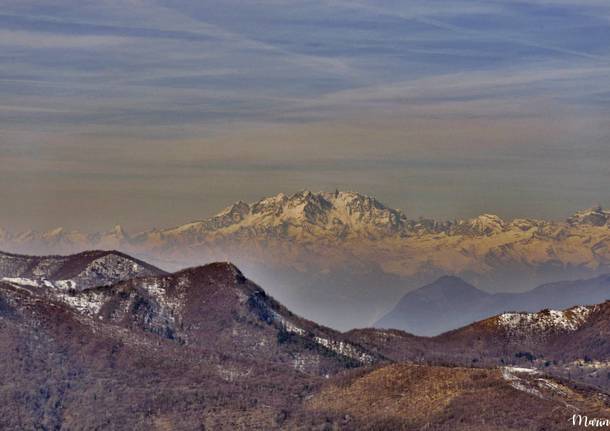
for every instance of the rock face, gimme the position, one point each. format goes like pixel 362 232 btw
pixel 594 216
pixel 355 247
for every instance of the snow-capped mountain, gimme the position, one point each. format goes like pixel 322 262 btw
pixel 304 216
pixel 358 226
pixel 354 247
pixel 483 225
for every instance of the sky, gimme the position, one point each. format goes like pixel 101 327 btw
pixel 157 112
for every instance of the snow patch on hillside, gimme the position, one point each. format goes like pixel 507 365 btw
pixel 339 347
pixel 59 284
pixel 21 281
pixel 510 375
pixel 88 303
pixel 532 382
pixel 63 284
pixel 564 320
pixel 109 269
pixel 169 307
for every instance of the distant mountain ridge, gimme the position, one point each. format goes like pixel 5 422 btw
pixel 446 304
pixel 347 216
pixel 357 249
pixel 450 303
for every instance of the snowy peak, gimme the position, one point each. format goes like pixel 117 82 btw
pixel 59 240
pixel 367 210
pixel 305 213
pixel 306 207
pixel 229 216
pixel 54 233
pixel 62 235
pixel 595 216
pixel 119 232
pixel 114 239
pixel 525 224
pixel 485 224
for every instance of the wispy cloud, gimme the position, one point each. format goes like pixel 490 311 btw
pixel 25 39
pixel 257 93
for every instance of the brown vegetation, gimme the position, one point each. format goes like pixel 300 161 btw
pixel 413 397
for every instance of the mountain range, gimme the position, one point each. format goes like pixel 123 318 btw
pixel 101 340
pixel 450 302
pixel 327 254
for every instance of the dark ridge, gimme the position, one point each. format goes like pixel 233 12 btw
pixel 97 253
pixel 213 268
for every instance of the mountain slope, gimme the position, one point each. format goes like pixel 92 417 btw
pixel 68 371
pixel 71 371
pixel 205 348
pixel 82 270
pixel 413 397
pixel 238 316
pixel 516 338
pixel 565 335
pixel 450 303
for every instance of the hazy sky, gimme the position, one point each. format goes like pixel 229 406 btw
pixel 160 112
